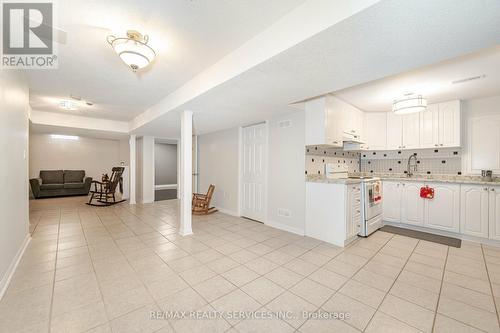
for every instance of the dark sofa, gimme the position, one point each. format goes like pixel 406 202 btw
pixel 58 183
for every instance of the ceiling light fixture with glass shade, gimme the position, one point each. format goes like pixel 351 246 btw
pixel 410 103
pixel 133 49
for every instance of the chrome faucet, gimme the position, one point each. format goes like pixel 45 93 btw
pixel 411 166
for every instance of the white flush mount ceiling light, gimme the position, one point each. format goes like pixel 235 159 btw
pixel 133 49
pixel 68 105
pixel 410 103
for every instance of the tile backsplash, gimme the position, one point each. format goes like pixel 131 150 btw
pixel 317 157
pixel 444 161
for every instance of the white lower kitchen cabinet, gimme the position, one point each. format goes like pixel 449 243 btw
pixel 391 202
pixel 333 212
pixel 494 212
pixel 474 210
pixel 412 206
pixel 443 211
pixel 354 211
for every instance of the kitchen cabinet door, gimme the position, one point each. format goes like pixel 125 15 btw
pixel 443 211
pixel 484 144
pixel 354 211
pixel 474 201
pixel 449 124
pixel 412 205
pixel 429 127
pixel 375 131
pixel 411 131
pixel 391 201
pixel 494 212
pixel 394 131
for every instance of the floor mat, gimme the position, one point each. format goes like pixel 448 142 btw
pixel 450 241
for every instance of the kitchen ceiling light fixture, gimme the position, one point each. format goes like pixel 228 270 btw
pixel 133 49
pixel 410 103
pixel 68 105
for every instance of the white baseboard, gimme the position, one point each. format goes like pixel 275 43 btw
pixel 227 211
pixel 285 227
pixel 4 283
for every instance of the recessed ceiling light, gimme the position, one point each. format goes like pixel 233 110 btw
pixel 65 137
pixel 68 105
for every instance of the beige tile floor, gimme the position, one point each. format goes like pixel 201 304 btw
pixel 106 269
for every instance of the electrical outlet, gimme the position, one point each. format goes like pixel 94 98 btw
pixel 284 212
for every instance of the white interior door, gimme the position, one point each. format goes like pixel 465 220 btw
pixel 253 178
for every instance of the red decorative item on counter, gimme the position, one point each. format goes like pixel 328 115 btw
pixel 427 192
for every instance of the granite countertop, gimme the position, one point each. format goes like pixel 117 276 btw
pixel 323 179
pixel 400 177
pixel 438 178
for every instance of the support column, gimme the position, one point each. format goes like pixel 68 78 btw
pixel 186 172
pixel 132 168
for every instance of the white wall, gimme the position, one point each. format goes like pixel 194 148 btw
pixel 218 158
pixel 145 171
pixel 13 171
pixel 95 156
pixel 148 169
pixel 138 170
pixel 165 164
pixel 286 179
pixel 480 107
pixel 218 165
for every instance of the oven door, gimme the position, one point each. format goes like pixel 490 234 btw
pixel 373 199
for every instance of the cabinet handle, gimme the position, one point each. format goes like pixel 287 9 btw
pixel 492 190
pixel 357 210
pixel 441 144
pixel 436 145
pixel 335 142
pixel 486 189
pixel 404 146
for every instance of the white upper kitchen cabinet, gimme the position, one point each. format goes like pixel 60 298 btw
pixel 474 203
pixel 375 130
pixel 323 123
pixel 429 127
pixel 440 125
pixel 483 144
pixel 412 206
pixel 394 131
pixel 391 202
pixel 443 211
pixel 449 124
pixel 352 121
pixel 330 121
pixel 411 131
pixel 494 212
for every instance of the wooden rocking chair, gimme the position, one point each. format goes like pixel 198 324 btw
pixel 201 202
pixel 104 192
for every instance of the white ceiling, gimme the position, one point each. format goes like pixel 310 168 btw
pixel 382 41
pixel 188 36
pixel 432 82
pixel 49 129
